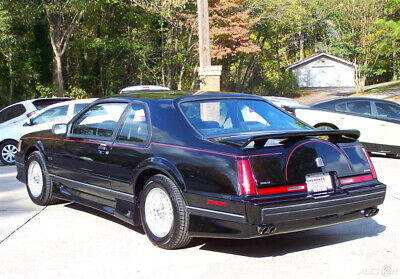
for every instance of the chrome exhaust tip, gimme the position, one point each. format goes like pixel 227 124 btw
pixel 266 229
pixel 369 212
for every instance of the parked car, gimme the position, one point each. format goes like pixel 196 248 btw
pixel 58 113
pixel 209 165
pixel 378 120
pixel 287 104
pixel 11 120
pixel 143 88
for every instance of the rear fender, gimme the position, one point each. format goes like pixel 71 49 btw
pixel 165 167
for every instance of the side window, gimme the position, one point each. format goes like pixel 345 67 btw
pixel 341 107
pixel 359 107
pixel 78 108
pixel 12 112
pixel 2 116
pixel 100 120
pixel 388 110
pixel 135 128
pixel 51 115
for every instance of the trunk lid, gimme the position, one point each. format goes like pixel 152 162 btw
pixel 282 159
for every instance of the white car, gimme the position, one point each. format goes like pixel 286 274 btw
pixel 287 104
pixel 378 120
pixel 42 120
pixel 11 120
pixel 143 88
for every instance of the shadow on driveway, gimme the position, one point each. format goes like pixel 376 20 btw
pixel 272 246
pixel 103 215
pixel 279 245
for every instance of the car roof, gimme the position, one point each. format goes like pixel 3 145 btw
pixel 88 101
pixel 37 99
pixel 339 100
pixel 181 95
pixel 143 88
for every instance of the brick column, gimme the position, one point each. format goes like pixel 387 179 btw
pixel 210 77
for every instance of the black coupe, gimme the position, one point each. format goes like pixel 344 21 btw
pixel 206 165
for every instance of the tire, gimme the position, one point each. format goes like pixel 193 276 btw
pixel 161 196
pixel 38 181
pixel 8 149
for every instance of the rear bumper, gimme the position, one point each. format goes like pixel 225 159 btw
pixel 286 216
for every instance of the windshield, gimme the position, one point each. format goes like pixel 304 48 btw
pixel 214 118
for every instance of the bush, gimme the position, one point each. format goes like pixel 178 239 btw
pixel 76 93
pixel 286 86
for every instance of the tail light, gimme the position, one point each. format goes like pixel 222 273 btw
pixel 283 189
pixel 355 179
pixel 370 163
pixel 289 110
pixel 246 180
pixel 30 114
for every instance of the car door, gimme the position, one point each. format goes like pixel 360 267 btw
pixel 388 129
pixel 357 114
pixel 130 147
pixel 47 119
pixel 83 155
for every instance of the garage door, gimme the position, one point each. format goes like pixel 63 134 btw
pixel 324 76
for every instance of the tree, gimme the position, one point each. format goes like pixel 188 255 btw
pixel 63 17
pixel 356 29
pixel 7 45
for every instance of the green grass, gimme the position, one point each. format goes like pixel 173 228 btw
pixel 391 87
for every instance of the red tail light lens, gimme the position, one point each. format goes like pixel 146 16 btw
pixel 283 189
pixel 246 180
pixel 355 179
pixel 370 163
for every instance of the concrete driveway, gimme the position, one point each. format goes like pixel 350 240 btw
pixel 72 241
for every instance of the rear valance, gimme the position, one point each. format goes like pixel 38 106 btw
pixel 261 139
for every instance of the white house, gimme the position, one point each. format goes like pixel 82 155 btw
pixel 323 70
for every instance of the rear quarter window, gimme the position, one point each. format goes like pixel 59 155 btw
pixel 12 112
pixel 41 104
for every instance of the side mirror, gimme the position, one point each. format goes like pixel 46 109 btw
pixel 28 122
pixel 59 129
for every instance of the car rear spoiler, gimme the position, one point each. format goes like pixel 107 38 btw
pixel 261 140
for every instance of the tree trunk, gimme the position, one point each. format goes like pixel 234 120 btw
pixel 239 75
pixel 301 45
pixel 359 80
pixel 394 61
pixel 11 73
pixel 251 64
pixel 10 96
pixel 162 53
pixel 59 75
pixel 278 58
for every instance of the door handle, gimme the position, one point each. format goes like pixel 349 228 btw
pixel 103 149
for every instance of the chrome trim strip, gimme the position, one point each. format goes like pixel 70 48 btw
pixel 93 188
pixel 217 214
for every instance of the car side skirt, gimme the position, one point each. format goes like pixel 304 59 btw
pixel 120 205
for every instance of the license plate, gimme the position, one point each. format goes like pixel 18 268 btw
pixel 319 182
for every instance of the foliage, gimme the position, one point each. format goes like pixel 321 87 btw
pixel 105 45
